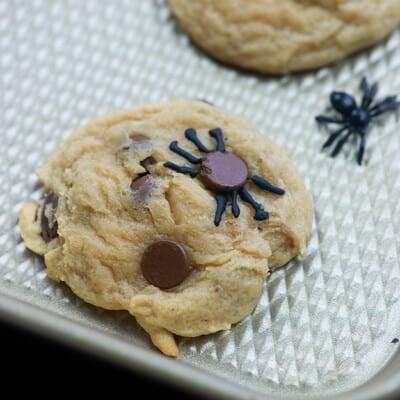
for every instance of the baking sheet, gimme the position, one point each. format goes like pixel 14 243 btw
pixel 325 324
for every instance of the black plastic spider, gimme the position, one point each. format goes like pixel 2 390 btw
pixel 355 118
pixel 222 172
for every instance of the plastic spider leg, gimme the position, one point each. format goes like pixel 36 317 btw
pixel 333 136
pixel 260 214
pixel 323 119
pixel 183 170
pixel 266 185
pixel 191 135
pixel 235 205
pixel 341 143
pixel 361 147
pixel 222 200
pixel 389 103
pixel 217 135
pixel 369 92
pixel 190 157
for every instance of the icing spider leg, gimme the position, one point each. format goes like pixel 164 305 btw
pixel 191 135
pixel 183 170
pixel 260 214
pixel 190 157
pixel 217 135
pixel 266 185
pixel 222 200
pixel 333 136
pixel 235 205
pixel 341 143
pixel 369 93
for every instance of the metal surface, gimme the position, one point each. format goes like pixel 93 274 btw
pixel 324 324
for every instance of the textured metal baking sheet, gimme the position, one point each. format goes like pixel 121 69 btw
pixel 325 324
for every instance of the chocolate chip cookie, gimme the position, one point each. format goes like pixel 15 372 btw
pixel 176 212
pixel 288 35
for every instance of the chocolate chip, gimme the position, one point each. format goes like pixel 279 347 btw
pixel 139 138
pixel 165 264
pixel 142 186
pixel 223 172
pixel 147 162
pixel 48 222
pixel 395 340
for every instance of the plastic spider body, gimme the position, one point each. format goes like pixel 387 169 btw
pixel 355 119
pixel 222 172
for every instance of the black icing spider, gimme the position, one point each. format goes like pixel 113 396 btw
pixel 222 172
pixel 355 118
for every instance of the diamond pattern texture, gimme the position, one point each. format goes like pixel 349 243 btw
pixel 324 324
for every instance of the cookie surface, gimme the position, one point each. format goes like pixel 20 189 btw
pixel 126 231
pixel 282 36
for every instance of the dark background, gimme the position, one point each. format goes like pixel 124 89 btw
pixel 34 366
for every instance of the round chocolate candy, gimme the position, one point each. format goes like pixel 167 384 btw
pixel 223 172
pixel 165 264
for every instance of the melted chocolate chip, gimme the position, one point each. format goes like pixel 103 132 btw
pixel 142 186
pixel 165 264
pixel 139 138
pixel 223 172
pixel 48 223
pixel 147 162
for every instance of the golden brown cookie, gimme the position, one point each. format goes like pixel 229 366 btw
pixel 176 212
pixel 289 35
